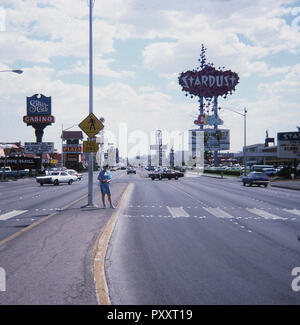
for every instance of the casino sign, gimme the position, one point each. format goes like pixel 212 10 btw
pixel 208 82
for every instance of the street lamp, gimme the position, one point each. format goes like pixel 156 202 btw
pixel 15 71
pixel 244 149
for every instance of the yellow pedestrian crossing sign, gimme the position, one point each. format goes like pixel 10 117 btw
pixel 90 146
pixel 91 125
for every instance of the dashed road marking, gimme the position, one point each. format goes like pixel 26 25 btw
pixel 217 212
pixel 178 212
pixel 265 214
pixel 11 214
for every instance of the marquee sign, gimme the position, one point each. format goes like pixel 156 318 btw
pixel 38 104
pixel 288 144
pixel 208 82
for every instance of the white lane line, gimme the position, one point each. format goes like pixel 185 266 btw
pixel 11 214
pixel 294 211
pixel 178 212
pixel 265 214
pixel 217 212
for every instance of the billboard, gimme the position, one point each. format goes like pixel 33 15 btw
pixel 288 145
pixel 38 104
pixel 35 148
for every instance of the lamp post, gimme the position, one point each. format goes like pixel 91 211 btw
pixel 245 134
pixel 3 170
pixel 15 71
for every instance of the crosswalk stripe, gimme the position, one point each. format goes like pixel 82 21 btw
pixel 265 214
pixel 178 212
pixel 217 212
pixel 11 214
pixel 294 211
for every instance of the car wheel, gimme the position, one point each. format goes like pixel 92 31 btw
pixel 41 184
pixel 244 183
pixel 152 178
pixel 70 181
pixel 176 178
pixel 265 185
pixel 56 182
pixel 250 184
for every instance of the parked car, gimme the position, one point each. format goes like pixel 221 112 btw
pixel 270 171
pixel 165 173
pixel 74 173
pixel 56 178
pixel 258 178
pixel 131 170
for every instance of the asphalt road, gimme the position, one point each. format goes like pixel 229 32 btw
pixel 23 202
pixel 205 241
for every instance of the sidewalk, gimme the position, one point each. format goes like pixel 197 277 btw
pixel 288 184
pixel 53 263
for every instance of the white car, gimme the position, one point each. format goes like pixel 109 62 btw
pixel 56 178
pixel 74 173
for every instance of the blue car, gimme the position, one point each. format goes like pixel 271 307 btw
pixel 257 178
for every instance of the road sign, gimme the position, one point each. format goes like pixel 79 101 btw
pixel 43 147
pixel 90 146
pixel 91 125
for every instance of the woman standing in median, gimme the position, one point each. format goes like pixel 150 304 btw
pixel 105 178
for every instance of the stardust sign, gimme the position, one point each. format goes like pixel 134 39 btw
pixel 208 82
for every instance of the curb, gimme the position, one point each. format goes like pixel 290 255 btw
pixel 100 250
pixel 288 188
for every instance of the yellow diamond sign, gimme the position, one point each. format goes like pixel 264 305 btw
pixel 90 146
pixel 91 125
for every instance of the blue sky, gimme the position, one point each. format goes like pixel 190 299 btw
pixel 140 48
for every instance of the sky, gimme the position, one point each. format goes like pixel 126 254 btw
pixel 140 48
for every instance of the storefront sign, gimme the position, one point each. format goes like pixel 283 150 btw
pixel 72 148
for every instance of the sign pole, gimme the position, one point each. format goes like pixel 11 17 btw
pixel 90 177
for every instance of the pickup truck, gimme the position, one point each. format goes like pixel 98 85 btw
pixel 56 178
pixel 165 173
pixel 6 172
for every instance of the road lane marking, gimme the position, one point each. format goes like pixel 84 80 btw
pixel 294 211
pixel 178 212
pixel 11 214
pixel 217 212
pixel 265 214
